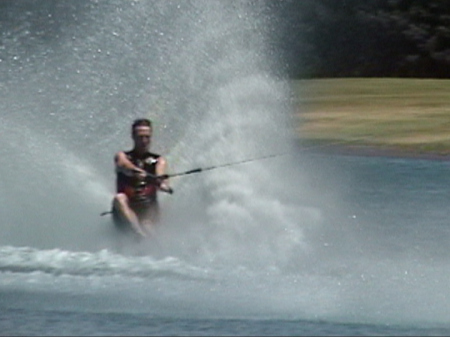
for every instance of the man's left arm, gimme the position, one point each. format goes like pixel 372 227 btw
pixel 160 170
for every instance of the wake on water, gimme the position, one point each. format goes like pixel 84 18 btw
pixel 235 241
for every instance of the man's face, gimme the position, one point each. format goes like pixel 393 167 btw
pixel 142 136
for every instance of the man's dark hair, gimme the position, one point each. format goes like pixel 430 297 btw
pixel 141 122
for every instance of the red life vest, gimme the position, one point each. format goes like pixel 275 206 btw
pixel 139 191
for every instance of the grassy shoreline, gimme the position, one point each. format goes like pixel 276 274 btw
pixel 401 117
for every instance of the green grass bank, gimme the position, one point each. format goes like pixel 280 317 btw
pixel 410 116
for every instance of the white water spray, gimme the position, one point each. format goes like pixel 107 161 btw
pixel 207 83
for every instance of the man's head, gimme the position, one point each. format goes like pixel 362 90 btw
pixel 141 131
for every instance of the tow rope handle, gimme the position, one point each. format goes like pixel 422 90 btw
pixel 151 178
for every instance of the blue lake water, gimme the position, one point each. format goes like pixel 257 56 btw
pixel 371 260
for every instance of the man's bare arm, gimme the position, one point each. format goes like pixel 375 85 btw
pixel 124 165
pixel 160 170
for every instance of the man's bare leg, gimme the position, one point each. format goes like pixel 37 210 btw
pixel 120 204
pixel 149 218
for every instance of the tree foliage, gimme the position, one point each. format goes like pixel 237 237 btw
pixel 407 38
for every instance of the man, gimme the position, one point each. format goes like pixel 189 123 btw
pixel 138 181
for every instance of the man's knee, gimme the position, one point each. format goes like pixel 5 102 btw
pixel 120 199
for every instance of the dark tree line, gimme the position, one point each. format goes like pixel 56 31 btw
pixel 331 38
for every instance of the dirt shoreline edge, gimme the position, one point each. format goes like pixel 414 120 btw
pixel 369 151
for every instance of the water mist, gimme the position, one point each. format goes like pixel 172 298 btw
pixel 198 69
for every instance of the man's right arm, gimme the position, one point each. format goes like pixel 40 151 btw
pixel 124 165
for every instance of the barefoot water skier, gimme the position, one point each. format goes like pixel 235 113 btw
pixel 140 174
